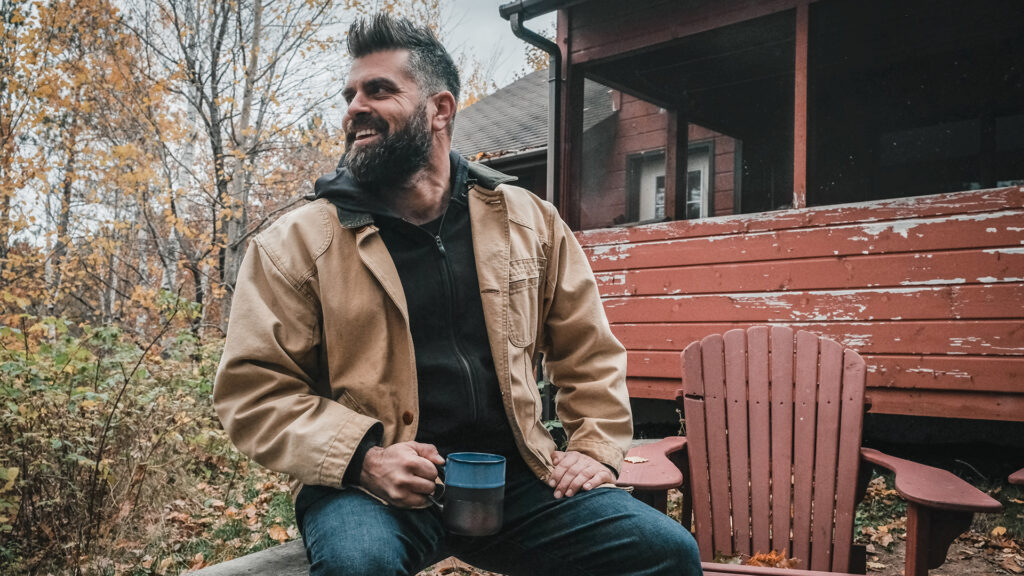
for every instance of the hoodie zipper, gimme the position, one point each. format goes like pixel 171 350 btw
pixel 449 282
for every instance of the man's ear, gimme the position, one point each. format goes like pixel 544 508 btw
pixel 444 110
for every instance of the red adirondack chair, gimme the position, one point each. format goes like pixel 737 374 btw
pixel 772 456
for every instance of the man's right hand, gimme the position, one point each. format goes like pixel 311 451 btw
pixel 402 474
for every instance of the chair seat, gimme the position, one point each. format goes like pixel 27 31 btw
pixel 713 569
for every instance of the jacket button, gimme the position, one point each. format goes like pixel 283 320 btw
pixel 407 418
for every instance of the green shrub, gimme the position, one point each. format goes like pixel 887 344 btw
pixel 98 434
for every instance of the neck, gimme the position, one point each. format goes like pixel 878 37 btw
pixel 425 196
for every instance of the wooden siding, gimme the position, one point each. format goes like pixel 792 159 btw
pixel 641 127
pixel 930 290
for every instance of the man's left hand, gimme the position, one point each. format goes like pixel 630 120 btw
pixel 575 471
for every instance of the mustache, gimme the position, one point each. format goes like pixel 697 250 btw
pixel 362 122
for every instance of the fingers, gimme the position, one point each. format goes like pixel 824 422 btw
pixel 428 451
pixel 575 472
pixel 400 474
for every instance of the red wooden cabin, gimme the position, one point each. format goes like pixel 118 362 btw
pixel 850 167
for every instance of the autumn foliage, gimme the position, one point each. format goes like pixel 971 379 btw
pixel 142 145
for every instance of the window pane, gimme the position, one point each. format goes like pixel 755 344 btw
pixel 731 91
pixel 624 141
pixel 914 97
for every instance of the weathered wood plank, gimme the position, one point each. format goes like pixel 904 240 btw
pixel 826 453
pixel 931 337
pixel 878 212
pixel 804 433
pixel 947 403
pixel 782 379
pixel 974 373
pixel 991 230
pixel 691 365
pixel 914 402
pixel 984 266
pixel 978 301
pixel 851 425
pixel 760 437
pixel 713 366
pixel 739 456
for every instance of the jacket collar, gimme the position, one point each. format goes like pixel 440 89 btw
pixel 488 177
pixel 356 207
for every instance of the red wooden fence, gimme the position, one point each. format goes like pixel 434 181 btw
pixel 930 290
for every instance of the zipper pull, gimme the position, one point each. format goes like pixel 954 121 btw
pixel 440 246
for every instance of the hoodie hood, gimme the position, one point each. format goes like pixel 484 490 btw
pixel 357 199
pixel 348 194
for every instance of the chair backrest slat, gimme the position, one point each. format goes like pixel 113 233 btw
pixel 851 430
pixel 738 419
pixel 713 363
pixel 782 436
pixel 805 421
pixel 760 438
pixel 774 422
pixel 830 374
pixel 697 448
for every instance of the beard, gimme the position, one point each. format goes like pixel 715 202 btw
pixel 395 157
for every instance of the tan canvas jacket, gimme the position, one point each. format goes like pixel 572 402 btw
pixel 319 349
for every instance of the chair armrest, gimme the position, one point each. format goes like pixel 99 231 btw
pixel 657 472
pixel 932 487
pixel 1017 477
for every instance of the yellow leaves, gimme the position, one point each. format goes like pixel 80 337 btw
pixel 999 531
pixel 887 534
pixel 8 476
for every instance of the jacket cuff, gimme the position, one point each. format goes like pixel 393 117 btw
pixel 609 454
pixel 355 463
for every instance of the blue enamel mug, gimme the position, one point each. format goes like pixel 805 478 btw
pixel 473 495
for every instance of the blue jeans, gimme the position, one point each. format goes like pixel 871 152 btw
pixel 604 531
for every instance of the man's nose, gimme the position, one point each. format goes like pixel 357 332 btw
pixel 357 106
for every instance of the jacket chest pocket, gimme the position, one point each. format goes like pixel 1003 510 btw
pixel 525 276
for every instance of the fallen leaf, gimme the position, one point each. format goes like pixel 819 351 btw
pixel 164 565
pixel 998 531
pixel 635 459
pixel 1009 565
pixel 876 566
pixel 279 533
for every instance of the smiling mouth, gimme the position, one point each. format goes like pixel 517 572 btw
pixel 365 134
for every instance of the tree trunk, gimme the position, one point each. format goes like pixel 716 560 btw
pixel 241 176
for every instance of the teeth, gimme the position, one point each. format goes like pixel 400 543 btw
pixel 362 133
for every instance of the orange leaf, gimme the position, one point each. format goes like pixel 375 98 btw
pixel 278 533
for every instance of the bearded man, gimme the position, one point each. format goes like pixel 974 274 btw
pixel 399 318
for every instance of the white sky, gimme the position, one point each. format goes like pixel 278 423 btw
pixel 475 27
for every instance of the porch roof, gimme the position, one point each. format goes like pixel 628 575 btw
pixel 514 119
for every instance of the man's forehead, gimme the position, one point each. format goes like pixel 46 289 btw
pixel 392 64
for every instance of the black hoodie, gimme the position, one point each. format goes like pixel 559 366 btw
pixel 459 398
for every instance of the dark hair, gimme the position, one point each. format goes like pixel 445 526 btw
pixel 429 62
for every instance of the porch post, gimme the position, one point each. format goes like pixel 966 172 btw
pixel 800 109
pixel 571 145
pixel 677 147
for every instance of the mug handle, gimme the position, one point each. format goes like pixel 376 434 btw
pixel 439 488
pixel 438 494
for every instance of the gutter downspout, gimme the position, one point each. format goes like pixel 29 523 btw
pixel 554 171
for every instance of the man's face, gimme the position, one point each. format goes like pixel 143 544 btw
pixel 387 135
